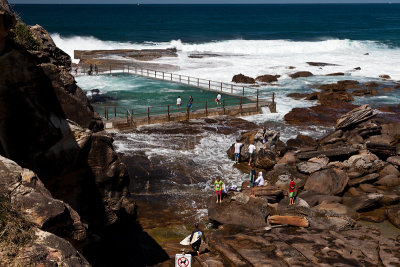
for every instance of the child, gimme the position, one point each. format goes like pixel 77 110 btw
pixel 291 191
pixel 218 189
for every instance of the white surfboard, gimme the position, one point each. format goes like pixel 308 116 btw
pixel 186 241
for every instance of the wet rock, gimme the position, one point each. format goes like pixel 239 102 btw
pixel 363 202
pixel 300 74
pixel 355 117
pixel 289 220
pixel 389 180
pixel 320 64
pixel 363 179
pixel 377 216
pixel 365 92
pixel 394 216
pixel 395 160
pixel 268 78
pixel 302 141
pixel 247 212
pixel 240 78
pixel 327 182
pixel 313 165
pixel 372 84
pixel 336 74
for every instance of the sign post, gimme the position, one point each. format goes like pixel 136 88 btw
pixel 183 260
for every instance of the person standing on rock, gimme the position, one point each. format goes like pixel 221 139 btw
pixel 252 149
pixel 252 180
pixel 90 69
pixel 200 234
pixel 76 69
pixel 218 99
pixel 96 70
pixel 218 184
pixel 190 104
pixel 237 151
pixel 178 102
pixel 292 186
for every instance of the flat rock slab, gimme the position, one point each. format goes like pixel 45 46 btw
pixel 289 220
pixel 366 178
pixel 330 153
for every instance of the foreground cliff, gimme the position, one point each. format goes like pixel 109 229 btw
pixel 59 172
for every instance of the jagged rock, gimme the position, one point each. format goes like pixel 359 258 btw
pixel 384 150
pixel 395 160
pixel 364 163
pixel 251 214
pixel 363 201
pixel 355 117
pixel 268 78
pixel 368 188
pixel 302 141
pixel 389 180
pixel 394 216
pixel 384 76
pixel 265 159
pixel 366 178
pixel 336 74
pixel 28 193
pixel 327 182
pixel 342 152
pixel 332 137
pixel 313 165
pixel 240 78
pixel 297 96
pixel 289 220
pixel 300 74
pixel 336 208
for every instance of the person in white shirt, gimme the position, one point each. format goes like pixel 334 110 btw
pixel 218 99
pixel 252 150
pixel 260 179
pixel 237 151
pixel 178 102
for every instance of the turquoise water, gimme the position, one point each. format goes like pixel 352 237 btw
pixel 139 93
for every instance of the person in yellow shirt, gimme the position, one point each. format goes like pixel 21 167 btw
pixel 218 184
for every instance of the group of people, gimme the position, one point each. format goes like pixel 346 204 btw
pixel 90 71
pixel 191 100
pixel 252 150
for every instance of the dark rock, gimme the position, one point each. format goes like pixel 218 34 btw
pixel 365 92
pixel 395 160
pixel 394 216
pixel 376 216
pixel 389 170
pixel 320 64
pixel 368 188
pixel 272 194
pixel 357 68
pixel 343 152
pixel 315 199
pixel 243 210
pixel 265 159
pixel 268 78
pixel 372 84
pixel 314 96
pixel 298 96
pixel 302 141
pixel 327 182
pixel 336 74
pixel 300 74
pixel 240 78
pixel 389 180
pixel 383 150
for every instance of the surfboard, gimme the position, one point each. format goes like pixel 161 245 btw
pixel 186 241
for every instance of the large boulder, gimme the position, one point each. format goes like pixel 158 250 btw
pixel 239 209
pixel 355 117
pixel 364 163
pixel 267 78
pixel 300 74
pixel 389 180
pixel 330 181
pixel 240 78
pixel 395 160
pixel 289 220
pixel 313 165
pixel 363 202
pixel 363 179
pixel 336 208
pixel 265 159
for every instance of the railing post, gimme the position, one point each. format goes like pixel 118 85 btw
pixel 127 116
pixel 198 82
pixel 257 102
pixel 188 80
pixel 171 76
pixel 179 78
pixel 273 97
pixel 110 69
pixel 206 110
pixel 115 111
pixel 243 91
pixel 148 115
pixel 169 118
pixel 187 112
pixel 163 75
pixel 132 117
pixel 155 74
pixel 241 109
pixel 231 88
pixel 223 105
pixel 105 112
pixel 147 73
pixel 209 84
pixel 221 87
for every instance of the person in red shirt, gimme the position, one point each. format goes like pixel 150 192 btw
pixel 291 191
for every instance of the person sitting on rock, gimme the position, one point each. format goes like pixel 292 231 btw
pixel 237 151
pixel 218 184
pixel 260 179
pixel 252 149
pixel 200 234
pixel 252 180
pixel 292 186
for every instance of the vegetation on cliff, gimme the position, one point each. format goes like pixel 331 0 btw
pixel 23 36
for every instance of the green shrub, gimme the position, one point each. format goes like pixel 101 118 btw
pixel 23 36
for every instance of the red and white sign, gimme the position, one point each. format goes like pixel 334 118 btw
pixel 183 260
